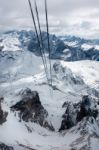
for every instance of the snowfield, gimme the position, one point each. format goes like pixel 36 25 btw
pixel 88 70
pixel 21 69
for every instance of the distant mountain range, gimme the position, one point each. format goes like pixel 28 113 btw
pixel 68 48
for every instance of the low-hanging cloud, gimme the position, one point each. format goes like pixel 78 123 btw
pixel 75 17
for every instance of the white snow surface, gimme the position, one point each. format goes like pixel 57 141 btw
pixel 88 70
pixel 10 43
pixel 86 47
pixel 22 69
pixel 74 44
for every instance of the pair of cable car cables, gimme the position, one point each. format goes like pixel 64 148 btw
pixel 40 38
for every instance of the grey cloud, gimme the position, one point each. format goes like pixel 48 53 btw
pixel 65 16
pixel 86 25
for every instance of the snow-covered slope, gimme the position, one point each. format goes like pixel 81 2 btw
pixel 10 42
pixel 88 70
pixel 21 69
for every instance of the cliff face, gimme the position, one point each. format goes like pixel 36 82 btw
pixel 31 110
pixel 75 112
pixel 3 115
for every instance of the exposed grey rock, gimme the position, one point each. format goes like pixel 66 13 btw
pixel 76 112
pixel 3 115
pixel 31 109
pixel 88 107
pixel 1 48
pixel 5 147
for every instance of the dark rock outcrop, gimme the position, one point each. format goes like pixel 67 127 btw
pixel 1 48
pixel 31 109
pixel 5 147
pixel 76 112
pixel 87 108
pixel 3 115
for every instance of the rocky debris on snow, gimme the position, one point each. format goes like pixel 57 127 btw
pixel 26 147
pixel 87 126
pixel 5 147
pixel 76 112
pixel 3 115
pixel 31 109
pixel 88 129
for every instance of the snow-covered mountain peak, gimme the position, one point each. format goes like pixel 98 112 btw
pixel 23 87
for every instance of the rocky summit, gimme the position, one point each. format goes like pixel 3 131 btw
pixel 31 109
pixel 75 112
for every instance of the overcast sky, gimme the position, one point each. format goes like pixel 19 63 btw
pixel 72 17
